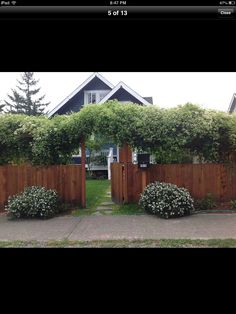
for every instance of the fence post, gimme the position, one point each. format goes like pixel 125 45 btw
pixel 125 157
pixel 83 175
pixel 125 153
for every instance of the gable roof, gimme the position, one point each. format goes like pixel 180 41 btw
pixel 232 104
pixel 54 110
pixel 128 89
pixel 149 99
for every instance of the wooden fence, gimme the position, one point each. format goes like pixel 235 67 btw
pixel 128 181
pixel 65 179
pixel 117 182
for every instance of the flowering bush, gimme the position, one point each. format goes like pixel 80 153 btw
pixel 166 200
pixel 34 201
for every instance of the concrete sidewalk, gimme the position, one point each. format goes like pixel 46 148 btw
pixel 86 228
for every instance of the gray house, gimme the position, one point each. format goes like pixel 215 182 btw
pixel 232 105
pixel 96 89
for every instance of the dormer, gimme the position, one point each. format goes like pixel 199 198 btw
pixel 94 96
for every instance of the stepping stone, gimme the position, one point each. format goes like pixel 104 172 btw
pixel 97 214
pixel 107 203
pixel 108 193
pixel 103 208
pixel 107 212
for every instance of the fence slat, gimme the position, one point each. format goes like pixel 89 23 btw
pixel 199 179
pixel 65 179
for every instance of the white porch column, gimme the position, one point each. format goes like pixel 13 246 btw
pixel 109 161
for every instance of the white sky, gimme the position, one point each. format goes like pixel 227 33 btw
pixel 213 90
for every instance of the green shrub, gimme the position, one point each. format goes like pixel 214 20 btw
pixel 208 202
pixel 173 135
pixel 166 200
pixel 34 202
pixel 233 203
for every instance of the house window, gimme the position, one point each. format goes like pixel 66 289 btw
pixel 94 97
pixel 91 98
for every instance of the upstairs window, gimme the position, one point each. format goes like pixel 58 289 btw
pixel 91 98
pixel 94 97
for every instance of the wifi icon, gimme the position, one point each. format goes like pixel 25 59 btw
pixel 13 2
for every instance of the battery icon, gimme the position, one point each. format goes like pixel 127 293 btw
pixel 231 2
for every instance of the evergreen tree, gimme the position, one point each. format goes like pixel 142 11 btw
pixel 23 100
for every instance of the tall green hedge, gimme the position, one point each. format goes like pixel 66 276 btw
pixel 173 135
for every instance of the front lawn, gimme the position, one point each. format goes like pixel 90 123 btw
pixel 97 193
pixel 162 243
pixel 127 209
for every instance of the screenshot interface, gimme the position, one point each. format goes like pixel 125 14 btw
pixel 109 9
pixel 155 76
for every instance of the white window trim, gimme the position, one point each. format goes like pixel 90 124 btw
pixel 78 89
pixel 97 92
pixel 128 89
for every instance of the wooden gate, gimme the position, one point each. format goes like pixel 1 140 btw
pixel 128 181
pixel 117 173
pixel 120 174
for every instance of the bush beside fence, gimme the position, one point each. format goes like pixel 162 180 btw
pixel 200 179
pixel 65 179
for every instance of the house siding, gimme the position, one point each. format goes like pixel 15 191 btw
pixel 122 95
pixel 77 101
pixel 149 99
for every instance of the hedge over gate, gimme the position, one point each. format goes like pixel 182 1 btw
pixel 187 129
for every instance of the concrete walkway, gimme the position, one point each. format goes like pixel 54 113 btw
pixel 199 226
